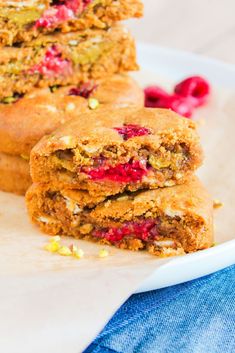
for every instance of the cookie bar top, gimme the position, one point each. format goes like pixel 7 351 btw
pixel 21 21
pixel 110 151
pixel 168 221
pixel 26 120
pixel 63 59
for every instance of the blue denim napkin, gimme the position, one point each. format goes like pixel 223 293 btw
pixel 194 317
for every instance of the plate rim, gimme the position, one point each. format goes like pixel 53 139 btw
pixel 160 278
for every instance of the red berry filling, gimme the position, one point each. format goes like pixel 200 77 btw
pixel 130 172
pixel 84 90
pixel 61 11
pixel 52 64
pixel 145 230
pixel 131 130
pixel 188 94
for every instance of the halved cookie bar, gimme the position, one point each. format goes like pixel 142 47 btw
pixel 64 59
pixel 25 20
pixel 111 151
pixel 165 222
pixel 14 174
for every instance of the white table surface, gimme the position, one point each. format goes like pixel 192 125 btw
pixel 202 26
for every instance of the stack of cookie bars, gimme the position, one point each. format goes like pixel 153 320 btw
pixel 103 167
pixel 123 177
pixel 59 58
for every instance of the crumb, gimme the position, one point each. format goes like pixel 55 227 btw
pixel 64 251
pixel 217 204
pixel 76 252
pixel 52 247
pixel 103 253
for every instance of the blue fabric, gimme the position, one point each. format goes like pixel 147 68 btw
pixel 194 317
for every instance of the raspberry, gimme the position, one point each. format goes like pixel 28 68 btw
pixel 195 88
pixel 54 16
pixel 144 230
pixel 85 90
pixel 52 64
pixel 178 104
pixel 132 171
pixel 131 130
pixel 188 94
pixel 61 11
pixel 154 95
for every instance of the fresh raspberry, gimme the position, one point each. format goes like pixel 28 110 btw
pixel 178 104
pixel 130 172
pixel 144 230
pixel 52 64
pixel 196 89
pixel 85 90
pixel 131 130
pixel 154 95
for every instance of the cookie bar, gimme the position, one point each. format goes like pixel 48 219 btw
pixel 25 121
pixel 112 151
pixel 14 174
pixel 25 20
pixel 165 222
pixel 64 59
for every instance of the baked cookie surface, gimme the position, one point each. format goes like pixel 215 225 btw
pixel 24 122
pixel 112 151
pixel 14 174
pixel 168 221
pixel 25 20
pixel 64 59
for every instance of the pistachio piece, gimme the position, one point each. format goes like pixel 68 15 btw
pixel 159 163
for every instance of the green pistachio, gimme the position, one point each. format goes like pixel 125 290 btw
pixel 158 163
pixel 9 100
pixel 93 103
pixel 24 17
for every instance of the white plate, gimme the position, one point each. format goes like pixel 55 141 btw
pixel 173 65
pixel 47 302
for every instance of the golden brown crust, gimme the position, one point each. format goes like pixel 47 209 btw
pixel 76 57
pixel 183 214
pixel 171 137
pixel 25 122
pixel 99 14
pixel 14 174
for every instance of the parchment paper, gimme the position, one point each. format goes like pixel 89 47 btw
pixel 53 304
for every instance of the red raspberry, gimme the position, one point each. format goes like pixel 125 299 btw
pixel 52 64
pixel 61 11
pixel 154 96
pixel 143 230
pixel 132 171
pixel 85 90
pixel 196 89
pixel 178 104
pixel 131 130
